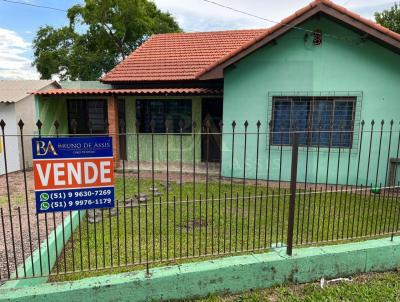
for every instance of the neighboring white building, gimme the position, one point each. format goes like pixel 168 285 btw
pixel 17 102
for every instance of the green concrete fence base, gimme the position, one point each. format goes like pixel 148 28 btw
pixel 221 276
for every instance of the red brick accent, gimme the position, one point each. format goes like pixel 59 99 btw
pixel 113 129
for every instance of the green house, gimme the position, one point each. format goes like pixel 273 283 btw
pixel 321 71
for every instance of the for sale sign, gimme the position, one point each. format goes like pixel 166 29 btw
pixel 73 173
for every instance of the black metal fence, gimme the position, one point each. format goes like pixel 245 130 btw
pixel 269 189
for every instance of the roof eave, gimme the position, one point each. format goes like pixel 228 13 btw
pixel 181 83
pixel 129 92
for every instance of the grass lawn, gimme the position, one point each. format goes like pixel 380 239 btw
pixel 368 287
pixel 165 229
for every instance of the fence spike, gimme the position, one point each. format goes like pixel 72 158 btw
pixel 137 125
pixel 56 124
pixel 39 124
pixel 320 124
pixel 233 124
pixel 208 125
pixel 246 124
pixel 122 126
pixel 2 124
pixel 90 126
pixel 107 126
pixel 181 125
pixel 294 125
pixel 258 124
pixel 20 124
pixel 168 124
pixel 74 125
pixel 122 123
pixel 152 125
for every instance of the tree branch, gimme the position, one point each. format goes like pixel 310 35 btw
pixel 119 43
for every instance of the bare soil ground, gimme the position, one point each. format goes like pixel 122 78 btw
pixel 21 230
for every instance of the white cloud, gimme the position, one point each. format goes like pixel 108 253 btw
pixel 369 10
pixel 199 15
pixel 14 63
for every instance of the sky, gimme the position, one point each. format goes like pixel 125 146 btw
pixel 19 23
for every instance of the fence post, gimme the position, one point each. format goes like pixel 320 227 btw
pixel 293 183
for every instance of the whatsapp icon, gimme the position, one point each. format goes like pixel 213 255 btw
pixel 44 197
pixel 44 206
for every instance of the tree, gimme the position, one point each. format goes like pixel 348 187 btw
pixel 390 18
pixel 100 34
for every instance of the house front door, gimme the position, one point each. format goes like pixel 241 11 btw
pixel 211 144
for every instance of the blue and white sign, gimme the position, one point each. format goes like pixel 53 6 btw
pixel 73 173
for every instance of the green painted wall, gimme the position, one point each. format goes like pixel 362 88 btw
pixel 341 66
pixel 50 109
pixel 189 141
pixel 54 108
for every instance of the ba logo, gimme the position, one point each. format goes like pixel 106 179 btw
pixel 42 149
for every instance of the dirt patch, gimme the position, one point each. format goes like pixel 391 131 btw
pixel 195 224
pixel 16 183
pixel 21 234
pixel 21 230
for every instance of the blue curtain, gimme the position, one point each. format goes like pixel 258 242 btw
pixel 331 121
pixel 343 124
pixel 281 123
pixel 322 122
pixel 300 119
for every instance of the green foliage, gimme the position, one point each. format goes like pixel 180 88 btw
pixel 100 34
pixel 390 18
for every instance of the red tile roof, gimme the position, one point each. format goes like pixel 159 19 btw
pixel 178 56
pixel 187 56
pixel 148 91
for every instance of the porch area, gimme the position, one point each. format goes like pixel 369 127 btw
pixel 153 127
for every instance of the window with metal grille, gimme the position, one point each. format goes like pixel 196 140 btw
pixel 175 113
pixel 321 121
pixel 89 116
